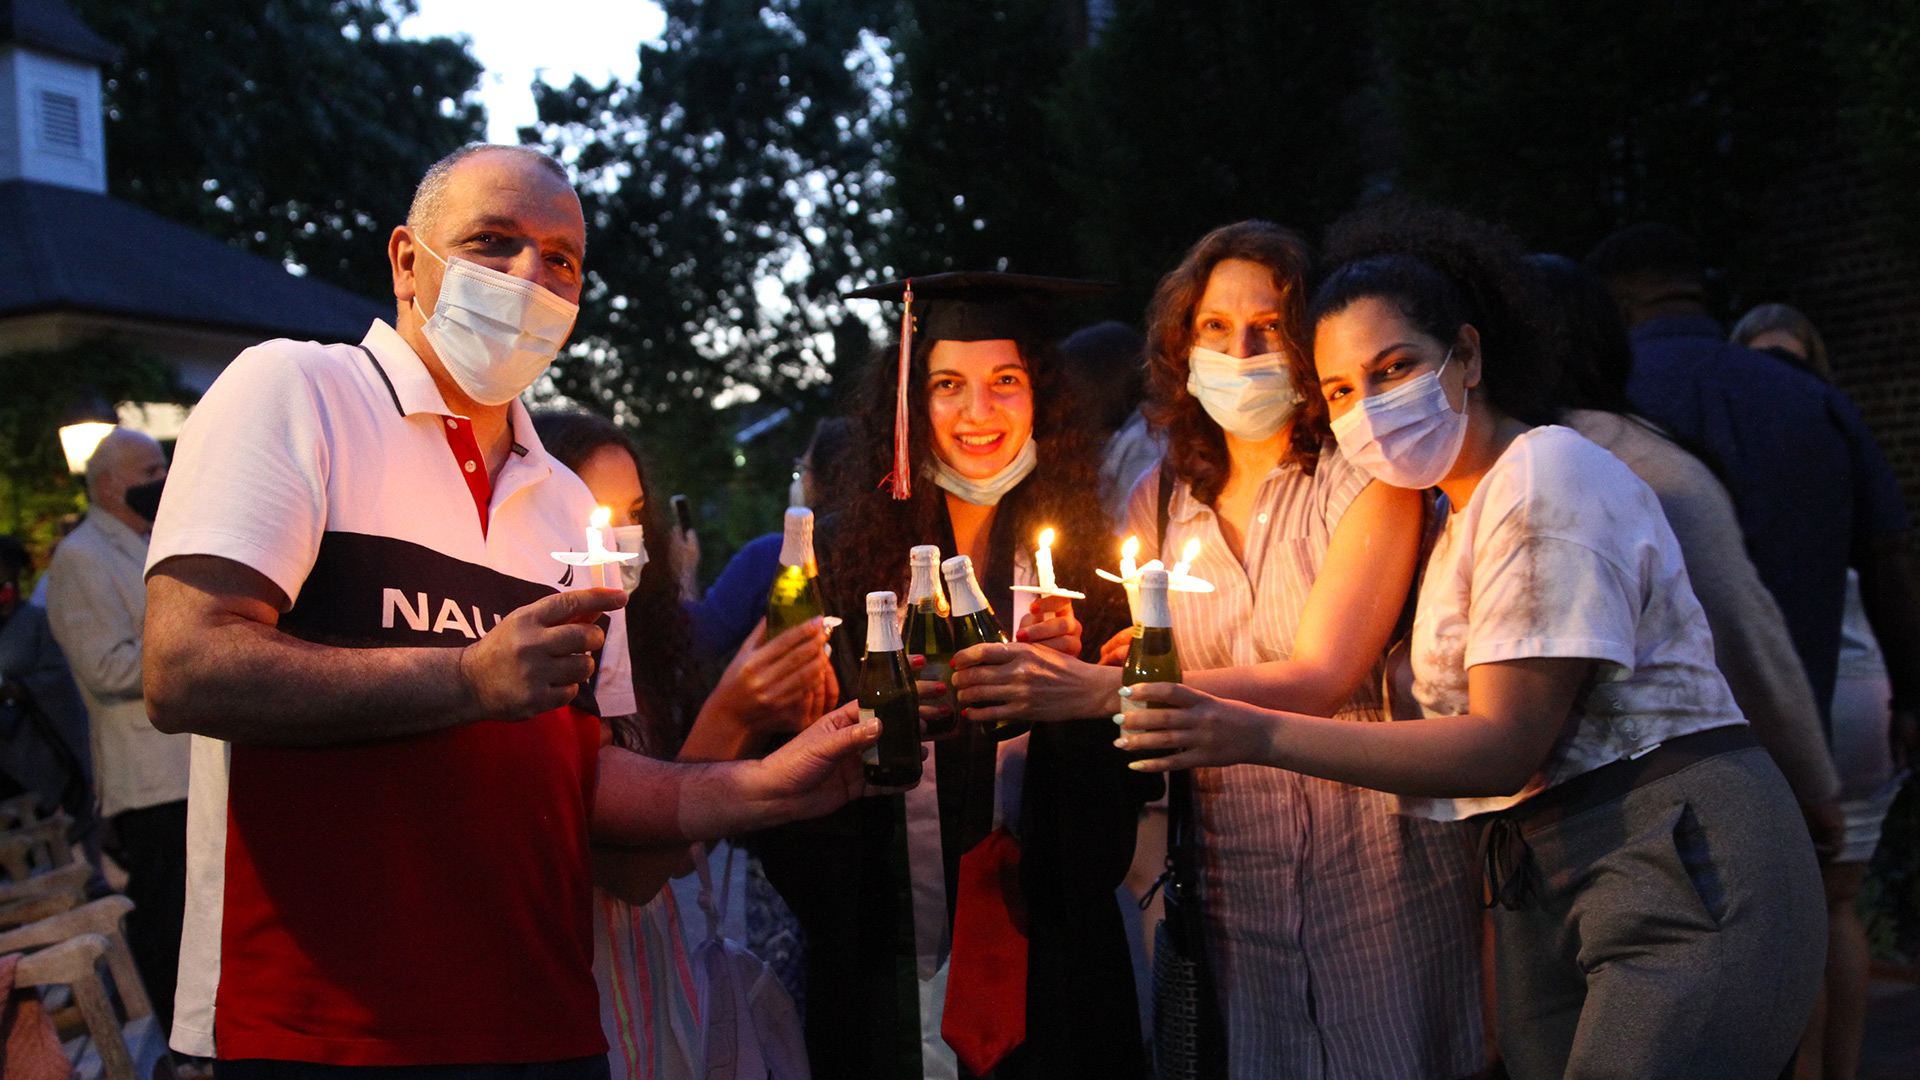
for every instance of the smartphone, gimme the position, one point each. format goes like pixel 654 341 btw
pixel 683 513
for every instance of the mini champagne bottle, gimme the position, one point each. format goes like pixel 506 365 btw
pixel 929 634
pixel 1151 657
pixel 974 624
pixel 887 692
pixel 795 596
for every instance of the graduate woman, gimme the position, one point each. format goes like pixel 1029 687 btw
pixel 1659 904
pixel 975 451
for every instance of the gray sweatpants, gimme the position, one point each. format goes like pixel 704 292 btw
pixel 1680 932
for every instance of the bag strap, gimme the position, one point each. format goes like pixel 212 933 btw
pixel 1166 508
pixel 707 907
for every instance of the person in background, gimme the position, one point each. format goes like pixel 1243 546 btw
pixel 45 720
pixel 1344 938
pixel 770 687
pixel 1106 362
pixel 724 617
pixel 1658 895
pixel 1813 494
pixel 1862 750
pixel 97 605
pixel 1592 357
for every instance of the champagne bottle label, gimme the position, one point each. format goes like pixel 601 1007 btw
pixel 871 755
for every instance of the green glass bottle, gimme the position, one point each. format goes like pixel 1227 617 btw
pixel 887 693
pixel 795 596
pixel 974 624
pixel 1151 657
pixel 929 634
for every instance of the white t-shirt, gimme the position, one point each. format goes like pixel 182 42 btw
pixel 1563 552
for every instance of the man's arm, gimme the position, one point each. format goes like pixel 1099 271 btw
pixel 218 665
pixel 640 801
pixel 93 625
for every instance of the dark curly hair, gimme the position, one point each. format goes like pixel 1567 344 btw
pixel 1196 447
pixel 1444 270
pixel 666 679
pixel 866 543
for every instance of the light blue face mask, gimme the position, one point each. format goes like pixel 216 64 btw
pixel 986 492
pixel 1252 398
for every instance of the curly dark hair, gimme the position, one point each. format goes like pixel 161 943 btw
pixel 865 544
pixel 1444 270
pixel 666 678
pixel 1196 447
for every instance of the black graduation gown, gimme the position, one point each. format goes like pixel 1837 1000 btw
pixel 845 877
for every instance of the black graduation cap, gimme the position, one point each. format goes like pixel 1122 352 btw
pixel 966 305
pixel 981 305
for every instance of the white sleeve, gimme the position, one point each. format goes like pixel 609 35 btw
pixel 249 476
pixel 1539 588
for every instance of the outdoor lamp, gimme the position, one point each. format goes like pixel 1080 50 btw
pixel 86 422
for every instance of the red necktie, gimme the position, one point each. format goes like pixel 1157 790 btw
pixel 986 1011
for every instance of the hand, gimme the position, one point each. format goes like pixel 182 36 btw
pixel 536 658
pixel 1028 682
pixel 1114 652
pixel 1198 728
pixel 777 685
pixel 930 714
pixel 820 770
pixel 1049 621
pixel 1828 827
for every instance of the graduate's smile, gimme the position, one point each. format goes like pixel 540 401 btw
pixel 980 400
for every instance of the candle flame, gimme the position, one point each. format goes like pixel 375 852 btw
pixel 601 518
pixel 1046 538
pixel 1131 548
pixel 1191 551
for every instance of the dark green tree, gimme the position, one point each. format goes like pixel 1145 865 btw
pixel 292 128
pixel 1189 114
pixel 732 193
pixel 1570 120
pixel 975 173
pixel 1875 47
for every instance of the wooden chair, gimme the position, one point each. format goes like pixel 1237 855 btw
pixel 29 849
pixel 66 950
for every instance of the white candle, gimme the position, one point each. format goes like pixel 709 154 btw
pixel 1187 555
pixel 1043 561
pixel 1128 551
pixel 600 542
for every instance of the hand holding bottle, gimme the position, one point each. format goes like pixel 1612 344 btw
pixel 774 686
pixel 1014 680
pixel 1193 728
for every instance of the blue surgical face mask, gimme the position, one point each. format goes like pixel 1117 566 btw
pixel 1408 437
pixel 987 492
pixel 1252 398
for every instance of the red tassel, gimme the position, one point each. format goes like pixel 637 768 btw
pixel 902 471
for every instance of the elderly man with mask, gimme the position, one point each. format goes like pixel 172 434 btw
pixel 398 762
pixel 96 602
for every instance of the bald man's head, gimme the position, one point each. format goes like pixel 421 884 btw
pixel 124 459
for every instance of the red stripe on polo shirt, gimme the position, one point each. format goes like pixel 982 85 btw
pixel 473 465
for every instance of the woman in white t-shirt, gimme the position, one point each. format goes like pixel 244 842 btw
pixel 1658 897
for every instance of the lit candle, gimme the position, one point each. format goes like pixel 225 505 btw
pixel 1128 551
pixel 1043 561
pixel 1187 555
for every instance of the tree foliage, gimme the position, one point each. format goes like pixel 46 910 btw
pixel 1567 121
pixel 296 129
pixel 731 193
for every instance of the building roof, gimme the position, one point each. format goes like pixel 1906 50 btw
pixel 49 25
pixel 68 250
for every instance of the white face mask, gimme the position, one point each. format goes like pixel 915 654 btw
pixel 1252 398
pixel 1409 436
pixel 631 539
pixel 494 332
pixel 987 492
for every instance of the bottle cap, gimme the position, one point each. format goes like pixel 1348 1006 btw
pixel 957 569
pixel 924 555
pixel 882 603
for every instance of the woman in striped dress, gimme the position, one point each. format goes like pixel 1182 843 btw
pixel 1344 938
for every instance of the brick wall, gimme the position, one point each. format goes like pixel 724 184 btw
pixel 1859 282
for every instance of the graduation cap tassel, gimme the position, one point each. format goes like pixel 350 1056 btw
pixel 902 468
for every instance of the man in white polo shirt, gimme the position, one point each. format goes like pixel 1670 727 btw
pixel 353 605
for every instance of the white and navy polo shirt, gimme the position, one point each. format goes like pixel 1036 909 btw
pixel 409 901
